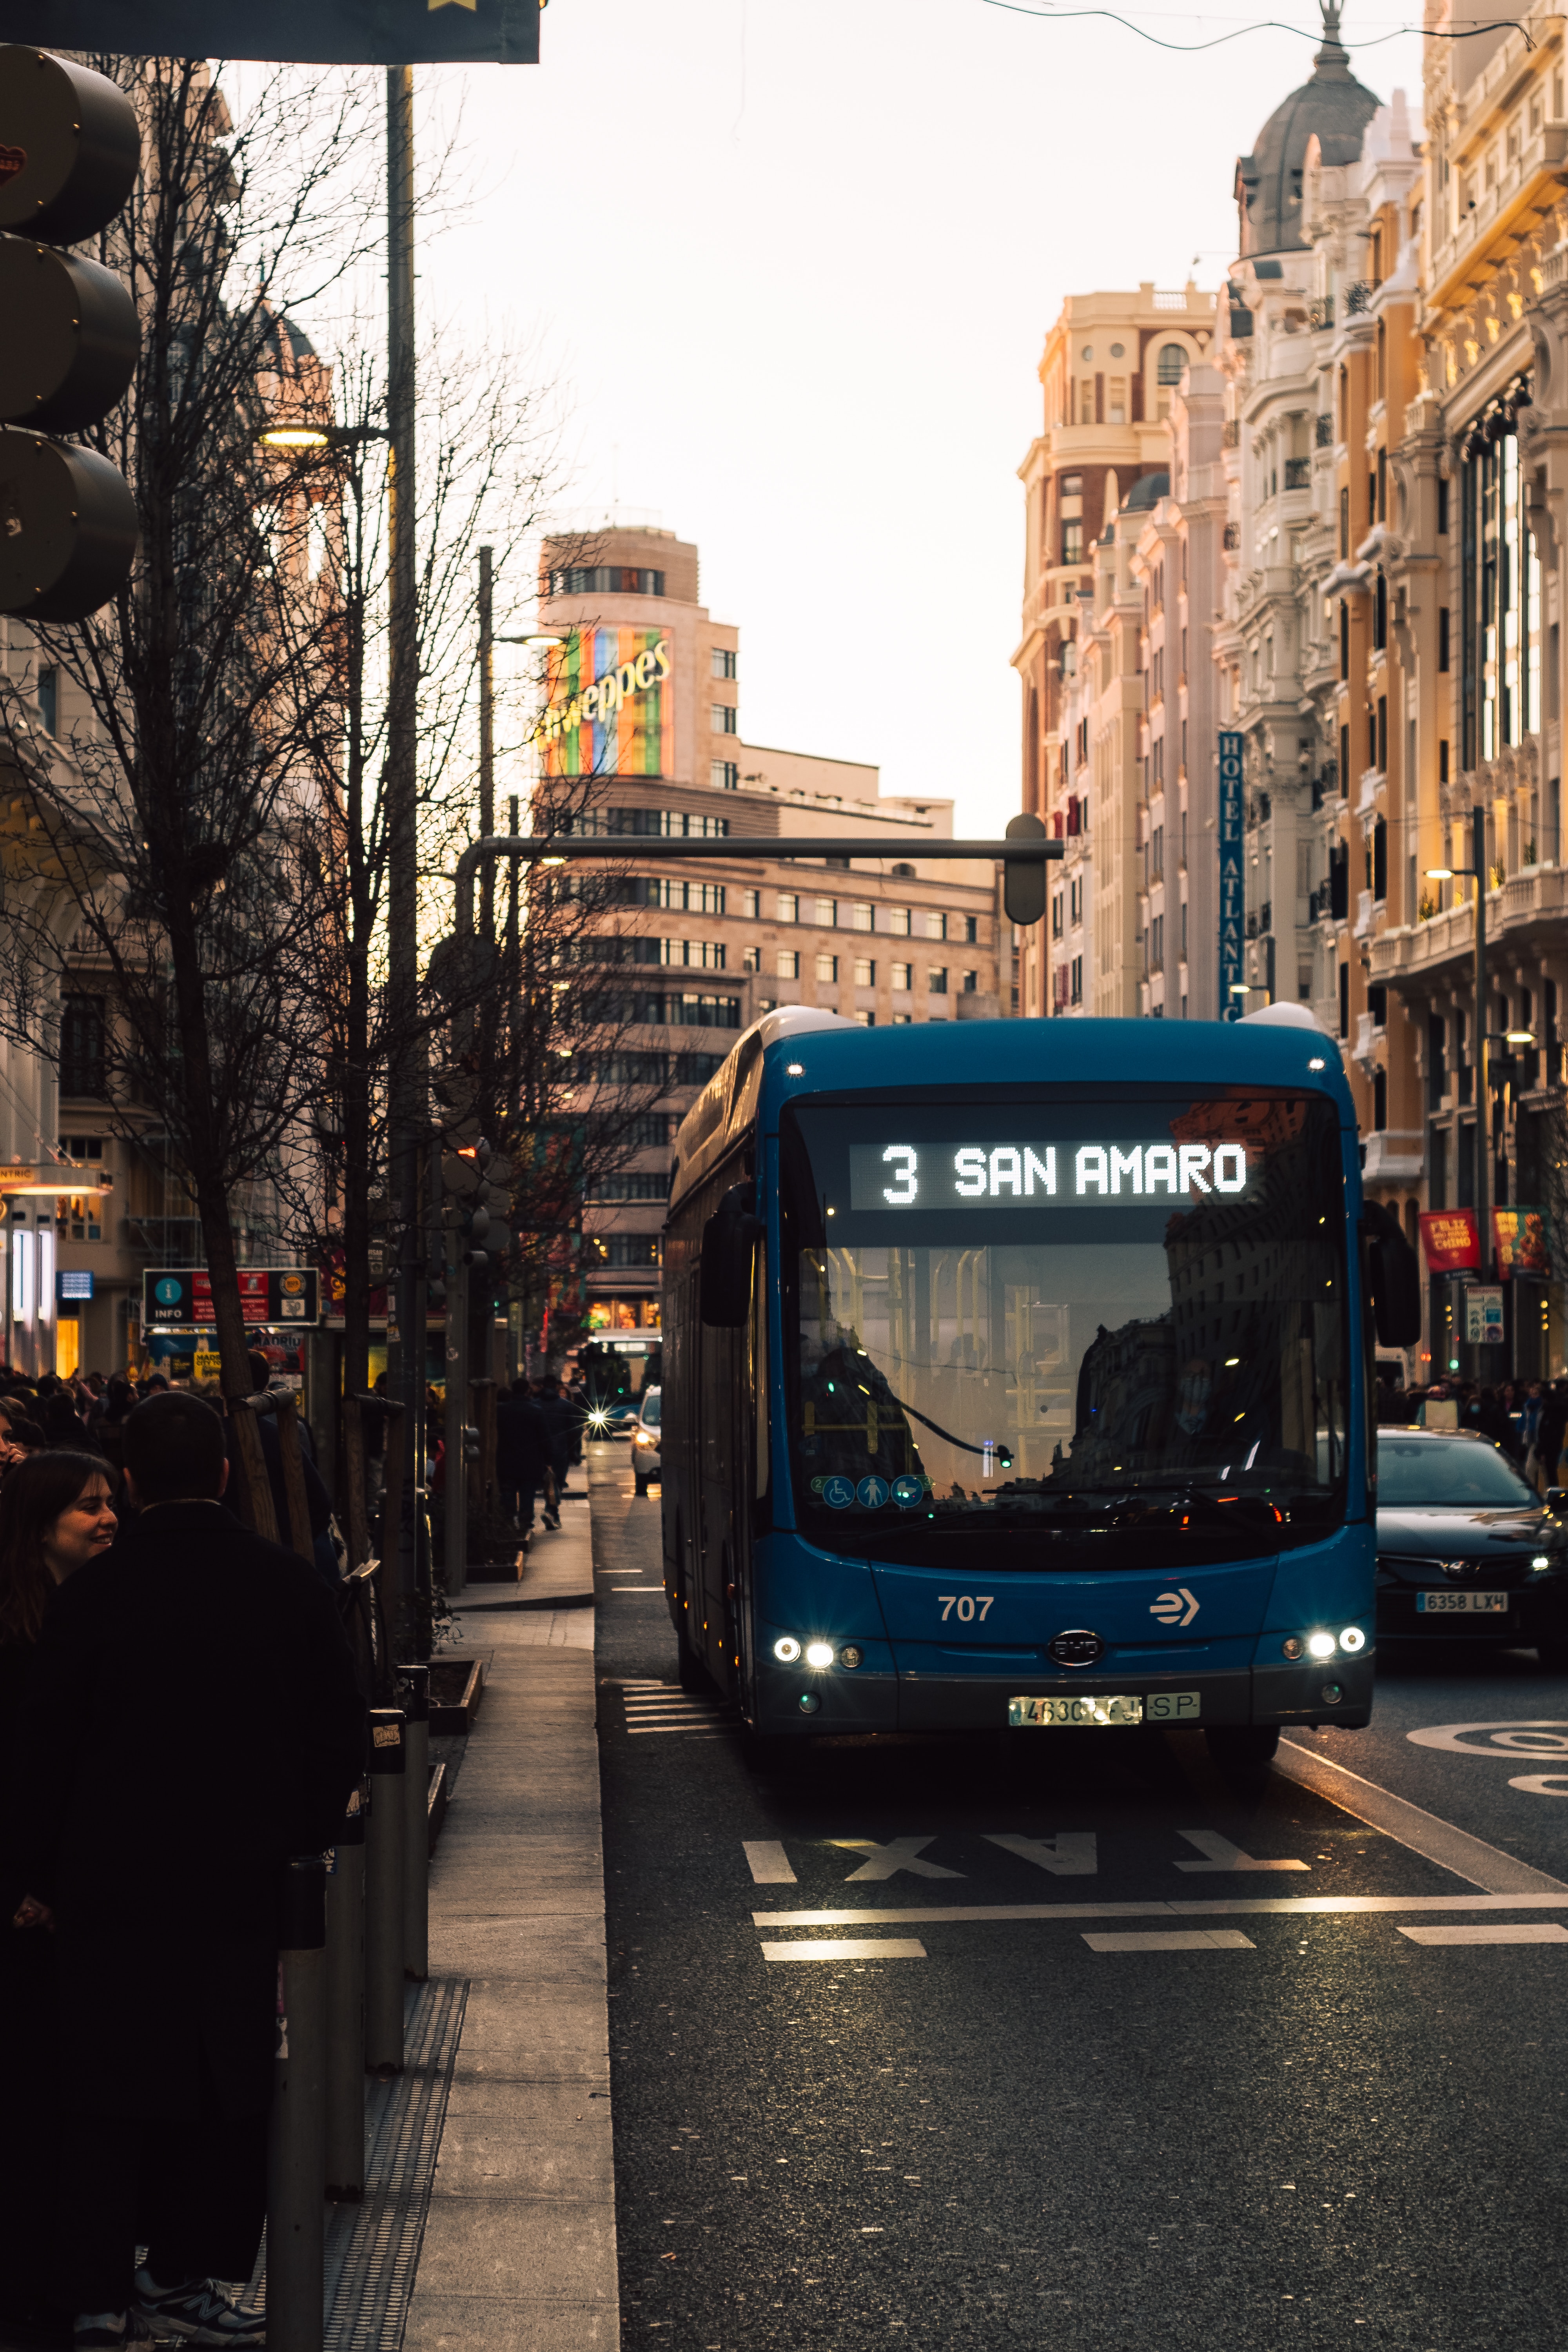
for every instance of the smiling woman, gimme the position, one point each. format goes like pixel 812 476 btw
pixel 56 1514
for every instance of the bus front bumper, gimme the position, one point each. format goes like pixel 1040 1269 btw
pixel 1308 1695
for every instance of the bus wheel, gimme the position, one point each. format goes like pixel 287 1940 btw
pixel 1243 1752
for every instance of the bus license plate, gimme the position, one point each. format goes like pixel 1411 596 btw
pixel 1161 1707
pixel 1456 1604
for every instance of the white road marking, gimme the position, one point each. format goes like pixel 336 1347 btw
pixel 768 1862
pixel 1424 1833
pixel 887 1861
pixel 1543 1784
pixel 1505 1931
pixel 1072 1854
pixel 1292 1906
pixel 1220 1854
pixel 1513 1738
pixel 1184 1939
pixel 848 1948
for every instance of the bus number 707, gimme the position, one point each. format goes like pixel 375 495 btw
pixel 965 1603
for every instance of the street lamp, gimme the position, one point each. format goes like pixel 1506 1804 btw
pixel 1476 872
pixel 320 437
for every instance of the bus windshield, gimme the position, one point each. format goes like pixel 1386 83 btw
pixel 1080 1333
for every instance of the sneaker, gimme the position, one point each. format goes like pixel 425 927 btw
pixel 199 2312
pixel 105 2331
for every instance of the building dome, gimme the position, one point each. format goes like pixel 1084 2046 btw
pixel 1335 106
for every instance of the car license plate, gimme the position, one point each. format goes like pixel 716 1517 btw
pixel 1461 1604
pixel 1094 1707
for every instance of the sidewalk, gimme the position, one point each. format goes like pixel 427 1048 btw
pixel 519 2248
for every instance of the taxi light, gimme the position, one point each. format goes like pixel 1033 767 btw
pixel 1351 1640
pixel 819 1654
pixel 1321 1645
pixel 787 1649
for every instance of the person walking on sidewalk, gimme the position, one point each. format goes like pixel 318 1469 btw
pixel 192 1720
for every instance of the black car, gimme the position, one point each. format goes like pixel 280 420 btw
pixel 1467 1550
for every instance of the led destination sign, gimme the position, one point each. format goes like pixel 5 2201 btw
pixel 1011 1175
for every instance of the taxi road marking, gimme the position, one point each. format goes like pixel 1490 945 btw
pixel 768 1862
pixel 1296 1906
pixel 1220 1854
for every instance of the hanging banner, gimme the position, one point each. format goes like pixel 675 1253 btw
pixel 611 706
pixel 1232 879
pixel 1451 1240
pixel 1521 1238
pixel 305 32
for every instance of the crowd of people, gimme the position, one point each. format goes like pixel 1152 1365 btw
pixel 179 1714
pixel 1527 1419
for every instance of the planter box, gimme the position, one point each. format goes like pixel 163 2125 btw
pixel 456 1686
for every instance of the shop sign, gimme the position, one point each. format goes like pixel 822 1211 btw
pixel 1451 1240
pixel 1232 879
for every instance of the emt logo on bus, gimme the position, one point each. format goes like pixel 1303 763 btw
pixel 904 1176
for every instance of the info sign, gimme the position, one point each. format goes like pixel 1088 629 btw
pixel 1232 878
pixel 1483 1313
pixel 180 1297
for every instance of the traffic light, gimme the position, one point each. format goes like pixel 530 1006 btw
pixel 1024 879
pixel 70 153
pixel 475 1188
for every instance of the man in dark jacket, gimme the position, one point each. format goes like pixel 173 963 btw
pixel 561 1420
pixel 192 1721
pixel 523 1454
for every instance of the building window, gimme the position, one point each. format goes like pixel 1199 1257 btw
pixel 1344 1000
pixel 724 775
pixel 726 719
pixel 903 978
pixel 899 922
pixel 969 981
pixel 1380 1101
pixel 1075 898
pixel 936 979
pixel 1074 980
pixel 972 930
pixel 723 661
pixel 1442 637
pixel 628 1249
pixel 48 692
pixel 1500 629
pixel 1072 542
pixel 1173 361
pixel 82 1045
pixel 902 1020
pixel 751 901
pixel 1056 924
pixel 861 916
pixel 935 924
pixel 865 973
pixel 752 960
pixel 828 969
pixel 1071 485
pixel 826 914
pixel 786 963
pixel 787 907
pixel 605 580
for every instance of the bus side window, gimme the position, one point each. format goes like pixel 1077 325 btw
pixel 760 1366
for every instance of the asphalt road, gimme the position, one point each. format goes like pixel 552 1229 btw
pixel 1306 2125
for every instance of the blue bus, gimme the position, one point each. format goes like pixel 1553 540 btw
pixel 1019 1373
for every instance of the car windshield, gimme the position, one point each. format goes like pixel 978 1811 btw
pixel 1070 1329
pixel 1446 1474
pixel 650 1408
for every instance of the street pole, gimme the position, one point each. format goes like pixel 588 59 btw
pixel 487 733
pixel 1483 1108
pixel 409 1075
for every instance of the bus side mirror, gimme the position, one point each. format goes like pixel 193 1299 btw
pixel 729 1239
pixel 1556 1498
pixel 1395 1277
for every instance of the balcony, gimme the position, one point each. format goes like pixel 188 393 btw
pixel 1528 184
pixel 1324 434
pixel 1363 905
pixel 1297 473
pixel 1357 298
pixel 1230 433
pixel 1371 783
pixel 1526 914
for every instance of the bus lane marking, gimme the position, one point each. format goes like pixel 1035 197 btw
pixel 1220 1854
pixel 848 1947
pixel 1072 1854
pixel 1505 1931
pixel 1436 1840
pixel 768 1863
pixel 1180 1939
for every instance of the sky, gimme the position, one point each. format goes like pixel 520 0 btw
pixel 789 265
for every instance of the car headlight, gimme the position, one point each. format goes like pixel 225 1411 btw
pixel 1541 1560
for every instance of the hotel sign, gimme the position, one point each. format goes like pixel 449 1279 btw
pixel 1232 879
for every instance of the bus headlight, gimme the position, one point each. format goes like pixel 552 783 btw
pixel 1293 1646
pixel 787 1649
pixel 1351 1640
pixel 819 1654
pixel 1321 1645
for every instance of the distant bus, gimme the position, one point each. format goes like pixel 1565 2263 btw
pixel 1019 1373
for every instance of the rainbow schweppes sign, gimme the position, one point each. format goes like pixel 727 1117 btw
pixel 611 708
